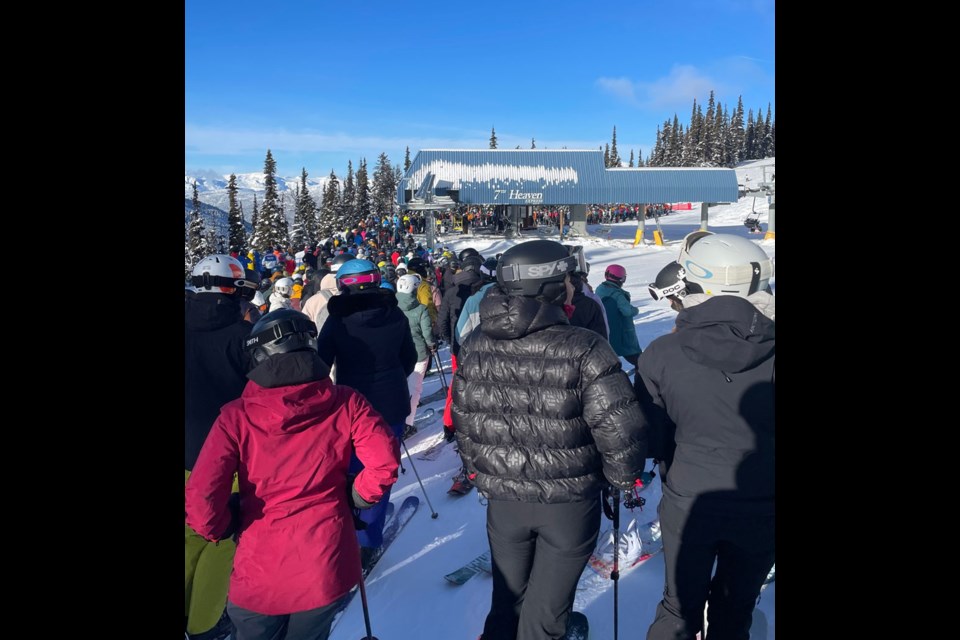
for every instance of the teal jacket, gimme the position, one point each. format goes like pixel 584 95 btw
pixel 620 313
pixel 420 326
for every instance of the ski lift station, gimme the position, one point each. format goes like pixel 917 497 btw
pixel 518 180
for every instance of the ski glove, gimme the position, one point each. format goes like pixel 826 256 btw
pixel 356 500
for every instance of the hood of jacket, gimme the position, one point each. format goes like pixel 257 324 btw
pixel 727 333
pixel 276 402
pixel 504 317
pixel 210 311
pixel 406 301
pixel 372 306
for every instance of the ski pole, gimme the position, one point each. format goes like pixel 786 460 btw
pixel 433 514
pixel 366 609
pixel 615 574
pixel 443 378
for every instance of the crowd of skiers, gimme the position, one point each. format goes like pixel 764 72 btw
pixel 303 373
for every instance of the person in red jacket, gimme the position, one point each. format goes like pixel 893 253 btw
pixel 288 439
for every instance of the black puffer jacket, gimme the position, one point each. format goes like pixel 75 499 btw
pixel 215 364
pixel 712 383
pixel 542 409
pixel 466 284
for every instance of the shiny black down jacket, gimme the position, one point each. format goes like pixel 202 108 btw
pixel 542 409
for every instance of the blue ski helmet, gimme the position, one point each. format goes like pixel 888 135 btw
pixel 358 275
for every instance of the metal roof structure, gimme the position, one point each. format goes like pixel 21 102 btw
pixel 437 178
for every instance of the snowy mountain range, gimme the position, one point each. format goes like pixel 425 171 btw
pixel 212 190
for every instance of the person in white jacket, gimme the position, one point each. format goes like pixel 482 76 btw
pixel 280 298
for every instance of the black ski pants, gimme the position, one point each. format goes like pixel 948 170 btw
pixel 743 548
pixel 303 625
pixel 538 552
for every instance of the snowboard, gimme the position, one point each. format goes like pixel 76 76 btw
pixel 646 534
pixel 472 568
pixel 578 628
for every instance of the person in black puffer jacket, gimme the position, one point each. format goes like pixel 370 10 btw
pixel 545 419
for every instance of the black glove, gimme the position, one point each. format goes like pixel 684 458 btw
pixel 356 503
pixel 234 505
pixel 608 496
pixel 432 348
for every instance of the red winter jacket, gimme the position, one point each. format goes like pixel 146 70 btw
pixel 290 447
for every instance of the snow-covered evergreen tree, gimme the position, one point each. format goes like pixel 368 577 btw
pixel 533 143
pixel 606 155
pixel 331 220
pixel 737 133
pixel 631 159
pixel 406 160
pixel 361 204
pixel 254 221
pixel 384 191
pixel 749 143
pixel 614 154
pixel 349 195
pixel 767 144
pixel 238 234
pixel 493 138
pixel 198 245
pixel 271 227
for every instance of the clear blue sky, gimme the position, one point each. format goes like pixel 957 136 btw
pixel 319 83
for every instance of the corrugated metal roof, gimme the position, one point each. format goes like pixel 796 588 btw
pixel 535 176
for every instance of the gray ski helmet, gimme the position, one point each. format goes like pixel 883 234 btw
pixel 535 268
pixel 723 264
pixel 670 282
pixel 280 331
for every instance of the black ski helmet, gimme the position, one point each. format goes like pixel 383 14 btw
pixel 469 251
pixel 535 268
pixel 341 259
pixel 252 278
pixel 280 331
pixel 472 263
pixel 670 282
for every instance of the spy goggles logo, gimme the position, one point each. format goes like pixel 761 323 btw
pixel 539 271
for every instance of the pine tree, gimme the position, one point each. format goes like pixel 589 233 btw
pixel 767 145
pixel 361 205
pixel 406 160
pixel 272 225
pixel 384 191
pixel 709 134
pixel 238 234
pixel 331 213
pixel 533 143
pixel 305 216
pixel 746 153
pixel 198 246
pixel 493 138
pixel 721 132
pixel 773 139
pixel 737 133
pixel 606 155
pixel 256 218
pixel 614 155
pixel 349 195
pixel 657 150
pixel 673 147
pixel 631 158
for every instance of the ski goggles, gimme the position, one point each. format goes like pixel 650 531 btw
pixel 360 278
pixel 517 272
pixel 208 281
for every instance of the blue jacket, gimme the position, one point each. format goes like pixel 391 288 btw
pixel 620 313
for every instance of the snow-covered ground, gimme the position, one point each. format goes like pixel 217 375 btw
pixel 407 595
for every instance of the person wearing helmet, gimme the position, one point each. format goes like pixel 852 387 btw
pixel 670 284
pixel 708 393
pixel 297 290
pixel 588 311
pixel 215 368
pixel 422 333
pixel 248 308
pixel 620 313
pixel 426 292
pixel 368 339
pixel 282 291
pixel 533 406
pixel 289 438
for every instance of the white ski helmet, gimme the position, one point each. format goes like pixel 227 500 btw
pixel 284 286
pixel 218 273
pixel 408 283
pixel 723 264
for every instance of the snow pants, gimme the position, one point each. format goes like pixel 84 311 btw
pixel 743 547
pixel 207 567
pixel 415 386
pixel 538 552
pixel 303 625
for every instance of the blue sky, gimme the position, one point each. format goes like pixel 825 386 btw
pixel 320 83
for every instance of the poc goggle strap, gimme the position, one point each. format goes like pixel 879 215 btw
pixel 279 330
pixel 517 272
